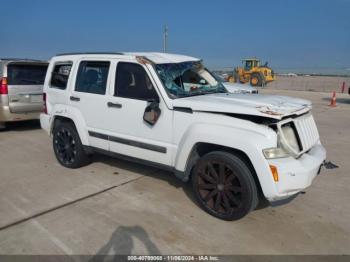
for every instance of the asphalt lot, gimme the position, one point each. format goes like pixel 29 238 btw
pixel 143 210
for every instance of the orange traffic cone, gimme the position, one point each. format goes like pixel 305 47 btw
pixel 333 100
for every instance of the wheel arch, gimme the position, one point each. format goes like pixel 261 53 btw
pixel 68 119
pixel 244 140
pixel 202 148
pixel 257 73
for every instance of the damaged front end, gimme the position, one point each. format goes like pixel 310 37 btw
pixel 296 136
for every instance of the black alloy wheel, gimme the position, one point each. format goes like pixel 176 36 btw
pixel 224 186
pixel 65 145
pixel 68 148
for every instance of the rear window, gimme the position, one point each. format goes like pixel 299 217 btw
pixel 23 74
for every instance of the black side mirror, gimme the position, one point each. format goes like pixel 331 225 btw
pixel 152 112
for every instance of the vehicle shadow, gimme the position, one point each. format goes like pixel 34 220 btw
pixel 22 126
pixel 166 176
pixel 153 172
pixel 121 242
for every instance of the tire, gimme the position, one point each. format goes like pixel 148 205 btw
pixel 236 77
pixel 229 194
pixel 256 80
pixel 67 146
pixel 2 126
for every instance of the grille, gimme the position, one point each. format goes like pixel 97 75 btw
pixel 298 135
pixel 307 131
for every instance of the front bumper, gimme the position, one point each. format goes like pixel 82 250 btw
pixel 297 174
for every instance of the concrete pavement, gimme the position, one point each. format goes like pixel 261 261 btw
pixel 143 210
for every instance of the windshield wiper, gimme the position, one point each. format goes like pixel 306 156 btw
pixel 200 93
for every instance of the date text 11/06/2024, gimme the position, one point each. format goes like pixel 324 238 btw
pixel 173 258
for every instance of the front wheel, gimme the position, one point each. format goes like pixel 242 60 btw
pixel 224 186
pixel 68 148
pixel 256 80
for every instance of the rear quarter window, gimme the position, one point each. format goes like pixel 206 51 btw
pixel 60 75
pixel 26 74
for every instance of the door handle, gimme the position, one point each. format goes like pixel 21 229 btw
pixel 74 98
pixel 115 105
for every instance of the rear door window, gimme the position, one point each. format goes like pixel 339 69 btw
pixel 92 77
pixel 26 74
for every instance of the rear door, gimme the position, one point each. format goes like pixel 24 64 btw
pixel 90 98
pixel 25 86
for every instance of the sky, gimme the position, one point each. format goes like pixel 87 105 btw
pixel 287 33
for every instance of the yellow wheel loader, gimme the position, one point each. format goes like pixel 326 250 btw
pixel 253 72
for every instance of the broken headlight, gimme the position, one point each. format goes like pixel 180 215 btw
pixel 288 144
pixel 290 139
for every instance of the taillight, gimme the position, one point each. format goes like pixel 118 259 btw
pixel 45 104
pixel 3 86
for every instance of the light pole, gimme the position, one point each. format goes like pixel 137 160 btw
pixel 165 39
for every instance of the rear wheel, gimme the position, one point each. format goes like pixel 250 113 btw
pixel 68 148
pixel 224 186
pixel 231 79
pixel 236 77
pixel 256 80
pixel 2 126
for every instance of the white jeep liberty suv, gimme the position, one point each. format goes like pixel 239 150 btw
pixel 169 111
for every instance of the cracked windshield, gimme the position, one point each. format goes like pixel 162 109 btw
pixel 188 79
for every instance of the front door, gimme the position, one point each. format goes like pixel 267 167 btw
pixel 134 90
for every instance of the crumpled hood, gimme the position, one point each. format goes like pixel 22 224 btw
pixel 270 106
pixel 238 88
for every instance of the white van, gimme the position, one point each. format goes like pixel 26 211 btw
pixel 21 89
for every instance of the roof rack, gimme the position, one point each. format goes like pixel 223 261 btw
pixel 91 53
